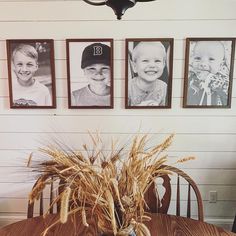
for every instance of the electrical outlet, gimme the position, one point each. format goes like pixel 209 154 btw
pixel 212 196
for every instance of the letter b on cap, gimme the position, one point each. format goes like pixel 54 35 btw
pixel 97 50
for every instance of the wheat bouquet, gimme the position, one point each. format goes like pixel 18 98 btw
pixel 111 185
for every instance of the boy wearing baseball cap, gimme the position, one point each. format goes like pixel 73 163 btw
pixel 96 65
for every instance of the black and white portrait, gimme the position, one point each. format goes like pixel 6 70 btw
pixel 90 73
pixel 208 72
pixel 148 73
pixel 31 73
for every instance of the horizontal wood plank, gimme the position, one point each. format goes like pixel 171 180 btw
pixel 118 110
pixel 182 142
pixel 21 191
pixel 76 124
pixel 203 160
pixel 105 29
pixel 200 176
pixel 221 208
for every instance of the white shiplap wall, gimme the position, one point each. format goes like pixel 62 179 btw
pixel 208 134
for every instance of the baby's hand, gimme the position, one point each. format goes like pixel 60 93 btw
pixel 149 103
pixel 202 75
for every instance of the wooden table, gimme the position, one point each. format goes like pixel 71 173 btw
pixel 35 226
pixel 168 225
pixel 160 225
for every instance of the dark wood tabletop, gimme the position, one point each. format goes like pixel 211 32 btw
pixel 36 226
pixel 163 225
pixel 160 225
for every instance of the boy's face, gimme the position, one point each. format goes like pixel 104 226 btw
pixel 24 67
pixel 150 62
pixel 98 74
pixel 208 57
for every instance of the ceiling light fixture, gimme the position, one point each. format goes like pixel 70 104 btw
pixel 118 6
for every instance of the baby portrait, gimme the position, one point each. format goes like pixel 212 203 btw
pixel 148 73
pixel 31 73
pixel 90 76
pixel 208 72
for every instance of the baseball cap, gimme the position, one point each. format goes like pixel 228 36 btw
pixel 94 54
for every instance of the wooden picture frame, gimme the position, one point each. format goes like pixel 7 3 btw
pixel 31 73
pixel 148 80
pixel 90 73
pixel 208 72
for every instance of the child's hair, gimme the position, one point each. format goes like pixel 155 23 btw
pixel 219 43
pixel 27 50
pixel 135 51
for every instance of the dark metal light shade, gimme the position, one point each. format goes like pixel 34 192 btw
pixel 118 6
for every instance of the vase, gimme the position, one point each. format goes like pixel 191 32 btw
pixel 132 233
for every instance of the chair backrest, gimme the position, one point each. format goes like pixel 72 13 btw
pixel 161 205
pixel 53 193
pixel 234 225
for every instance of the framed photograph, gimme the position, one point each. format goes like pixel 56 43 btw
pixel 90 73
pixel 208 72
pixel 31 73
pixel 148 82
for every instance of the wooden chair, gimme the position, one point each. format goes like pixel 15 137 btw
pixel 155 204
pixel 234 225
pixel 74 226
pixel 54 192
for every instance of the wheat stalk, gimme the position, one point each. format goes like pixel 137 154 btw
pixel 65 205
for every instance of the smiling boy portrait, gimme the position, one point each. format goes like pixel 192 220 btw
pixel 149 75
pixel 30 79
pixel 90 74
